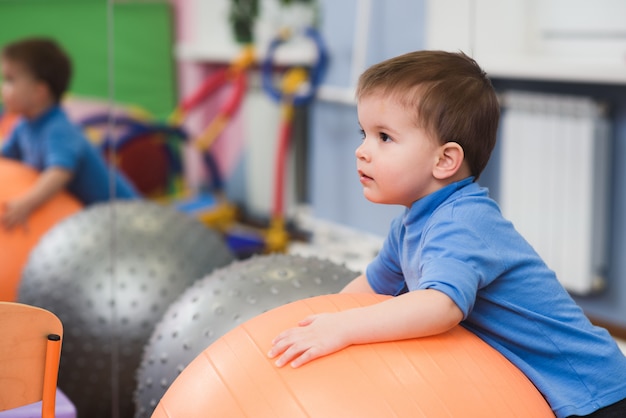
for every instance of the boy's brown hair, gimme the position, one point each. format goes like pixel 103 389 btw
pixel 451 96
pixel 45 60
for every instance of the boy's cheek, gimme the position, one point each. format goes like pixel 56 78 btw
pixel 7 89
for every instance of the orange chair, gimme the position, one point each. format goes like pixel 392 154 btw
pixel 30 351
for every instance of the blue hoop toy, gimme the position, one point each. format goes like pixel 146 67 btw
pixel 137 128
pixel 316 72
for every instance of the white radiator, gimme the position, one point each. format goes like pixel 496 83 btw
pixel 555 168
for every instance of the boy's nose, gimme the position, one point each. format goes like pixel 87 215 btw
pixel 360 152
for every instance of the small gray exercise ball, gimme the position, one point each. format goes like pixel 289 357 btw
pixel 109 273
pixel 219 302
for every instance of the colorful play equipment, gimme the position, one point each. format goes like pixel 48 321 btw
pixel 235 74
pixel 221 301
pixel 149 153
pixel 454 374
pixel 109 273
pixel 297 87
pixel 212 206
pixel 16 244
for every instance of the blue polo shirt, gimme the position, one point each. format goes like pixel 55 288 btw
pixel 457 241
pixel 52 140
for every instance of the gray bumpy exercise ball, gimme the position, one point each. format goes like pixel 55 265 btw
pixel 219 302
pixel 109 273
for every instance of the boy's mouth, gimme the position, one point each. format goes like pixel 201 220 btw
pixel 363 176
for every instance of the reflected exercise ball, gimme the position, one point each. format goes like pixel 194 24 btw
pixel 16 244
pixel 454 374
pixel 109 273
pixel 221 301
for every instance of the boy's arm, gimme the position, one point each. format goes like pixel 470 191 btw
pixel 50 181
pixel 414 314
pixel 358 285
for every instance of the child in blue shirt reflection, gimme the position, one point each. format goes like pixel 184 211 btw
pixel 35 74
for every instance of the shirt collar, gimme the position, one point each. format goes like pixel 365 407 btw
pixel 44 117
pixel 425 206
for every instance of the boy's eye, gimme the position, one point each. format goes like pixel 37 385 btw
pixel 384 137
pixel 362 133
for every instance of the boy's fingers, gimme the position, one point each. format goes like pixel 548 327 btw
pixel 290 354
pixel 278 346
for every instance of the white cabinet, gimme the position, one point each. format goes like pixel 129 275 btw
pixel 559 40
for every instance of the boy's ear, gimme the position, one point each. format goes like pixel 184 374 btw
pixel 42 91
pixel 450 160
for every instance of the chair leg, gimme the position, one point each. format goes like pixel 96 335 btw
pixel 51 374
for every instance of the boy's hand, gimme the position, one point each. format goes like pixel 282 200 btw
pixel 414 314
pixel 15 213
pixel 50 181
pixel 315 336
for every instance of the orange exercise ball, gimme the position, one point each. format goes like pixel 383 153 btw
pixel 16 244
pixel 454 374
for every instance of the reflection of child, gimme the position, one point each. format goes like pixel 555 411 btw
pixel 429 122
pixel 7 122
pixel 36 73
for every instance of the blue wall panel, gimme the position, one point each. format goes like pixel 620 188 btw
pixel 395 27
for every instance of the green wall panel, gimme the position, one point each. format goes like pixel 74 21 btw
pixel 142 44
